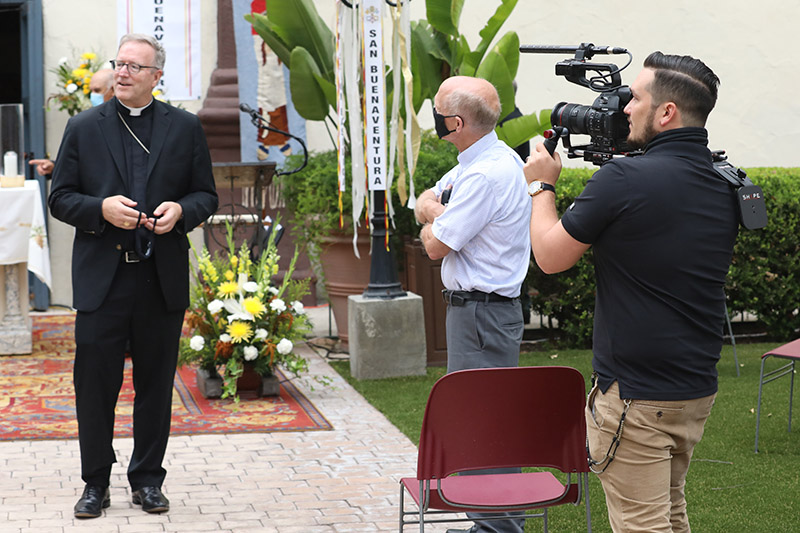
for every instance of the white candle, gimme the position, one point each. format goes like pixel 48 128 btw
pixel 10 164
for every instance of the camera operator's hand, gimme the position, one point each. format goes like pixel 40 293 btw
pixel 541 166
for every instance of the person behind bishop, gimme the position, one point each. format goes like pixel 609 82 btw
pixel 133 176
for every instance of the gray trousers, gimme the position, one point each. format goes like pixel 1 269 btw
pixel 486 335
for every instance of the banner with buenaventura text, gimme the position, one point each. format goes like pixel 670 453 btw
pixel 176 25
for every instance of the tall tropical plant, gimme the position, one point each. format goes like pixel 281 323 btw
pixel 301 39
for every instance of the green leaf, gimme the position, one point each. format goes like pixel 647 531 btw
pixel 518 130
pixel 307 95
pixel 328 89
pixel 431 42
pixel 444 15
pixel 494 69
pixel 459 52
pixel 508 48
pixel 263 27
pixel 426 63
pixel 297 23
pixel 493 26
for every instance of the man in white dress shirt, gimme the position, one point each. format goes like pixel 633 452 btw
pixel 482 233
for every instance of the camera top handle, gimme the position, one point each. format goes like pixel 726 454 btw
pixel 575 69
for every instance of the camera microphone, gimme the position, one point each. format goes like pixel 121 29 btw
pixel 588 48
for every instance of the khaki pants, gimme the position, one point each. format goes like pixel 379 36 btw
pixel 644 485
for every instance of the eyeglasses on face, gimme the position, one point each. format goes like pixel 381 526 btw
pixel 133 68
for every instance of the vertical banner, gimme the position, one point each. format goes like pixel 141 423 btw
pixel 176 25
pixel 374 95
pixel 341 108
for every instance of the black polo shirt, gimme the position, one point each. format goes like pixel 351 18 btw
pixel 662 227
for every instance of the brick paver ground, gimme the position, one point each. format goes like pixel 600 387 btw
pixel 301 482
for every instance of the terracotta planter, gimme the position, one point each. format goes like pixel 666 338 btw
pixel 424 277
pixel 344 273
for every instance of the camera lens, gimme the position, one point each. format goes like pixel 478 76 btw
pixel 576 118
pixel 604 120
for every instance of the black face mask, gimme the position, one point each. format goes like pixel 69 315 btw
pixel 441 127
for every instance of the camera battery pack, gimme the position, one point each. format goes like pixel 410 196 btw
pixel 752 208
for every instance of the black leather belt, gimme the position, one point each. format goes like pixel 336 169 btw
pixel 130 257
pixel 458 298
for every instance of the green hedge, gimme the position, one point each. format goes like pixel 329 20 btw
pixel 764 277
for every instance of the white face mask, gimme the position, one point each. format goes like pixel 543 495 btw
pixel 96 99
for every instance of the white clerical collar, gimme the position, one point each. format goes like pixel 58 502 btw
pixel 136 111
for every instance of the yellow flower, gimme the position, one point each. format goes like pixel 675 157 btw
pixel 228 288
pixel 229 275
pixel 208 270
pixel 79 73
pixel 89 56
pixel 157 93
pixel 254 306
pixel 239 331
pixel 234 260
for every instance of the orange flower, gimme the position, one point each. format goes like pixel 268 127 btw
pixel 223 350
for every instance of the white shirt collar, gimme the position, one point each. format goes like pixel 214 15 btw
pixel 137 111
pixel 469 155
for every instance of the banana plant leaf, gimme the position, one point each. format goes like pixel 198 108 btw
pixel 427 55
pixel 488 34
pixel 297 23
pixel 444 15
pixel 518 130
pixel 264 28
pixel 494 69
pixel 508 47
pixel 308 97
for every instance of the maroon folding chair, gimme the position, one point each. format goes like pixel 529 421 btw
pixel 500 418
pixel 791 352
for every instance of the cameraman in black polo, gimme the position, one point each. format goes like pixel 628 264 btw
pixel 662 226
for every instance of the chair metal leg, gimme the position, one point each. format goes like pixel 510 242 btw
pixel 791 395
pixel 586 497
pixel 402 507
pixel 733 339
pixel 758 407
pixel 544 516
pixel 423 502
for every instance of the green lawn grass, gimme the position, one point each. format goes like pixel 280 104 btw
pixel 729 488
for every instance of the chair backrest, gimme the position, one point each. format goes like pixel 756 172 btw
pixel 504 417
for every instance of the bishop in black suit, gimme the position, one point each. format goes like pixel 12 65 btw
pixel 133 176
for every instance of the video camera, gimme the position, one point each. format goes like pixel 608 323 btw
pixel 607 125
pixel 604 121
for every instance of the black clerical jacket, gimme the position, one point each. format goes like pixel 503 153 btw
pixel 91 166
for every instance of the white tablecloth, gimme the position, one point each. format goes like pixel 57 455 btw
pixel 23 235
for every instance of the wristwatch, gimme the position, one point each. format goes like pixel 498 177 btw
pixel 535 187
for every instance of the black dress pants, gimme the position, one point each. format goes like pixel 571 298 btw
pixel 134 313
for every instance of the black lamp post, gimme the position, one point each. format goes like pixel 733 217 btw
pixel 383 282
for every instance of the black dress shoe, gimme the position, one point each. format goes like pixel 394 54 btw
pixel 151 499
pixel 92 502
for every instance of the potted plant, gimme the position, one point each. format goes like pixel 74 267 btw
pixel 241 322
pixel 313 203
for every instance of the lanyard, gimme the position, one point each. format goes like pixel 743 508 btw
pixel 131 132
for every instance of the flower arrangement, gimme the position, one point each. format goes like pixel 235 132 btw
pixel 238 317
pixel 73 83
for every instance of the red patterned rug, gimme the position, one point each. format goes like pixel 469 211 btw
pixel 37 400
